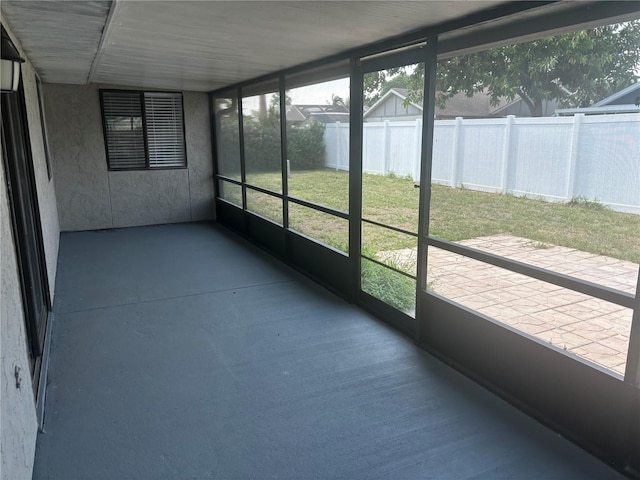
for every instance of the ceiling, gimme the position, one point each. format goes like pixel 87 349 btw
pixel 205 45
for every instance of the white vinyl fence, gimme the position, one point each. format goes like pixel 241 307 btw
pixel 550 158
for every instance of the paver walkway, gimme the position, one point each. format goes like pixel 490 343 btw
pixel 585 326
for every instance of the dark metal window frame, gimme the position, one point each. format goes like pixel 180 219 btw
pixel 263 87
pixel 301 80
pixel 475 33
pixel 38 334
pixel 147 166
pixel 590 405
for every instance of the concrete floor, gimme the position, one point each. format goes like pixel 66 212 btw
pixel 182 352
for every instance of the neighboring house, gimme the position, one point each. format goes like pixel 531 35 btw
pixel 305 114
pixel 519 108
pixel 626 100
pixel 391 106
pixel 477 106
pixel 629 96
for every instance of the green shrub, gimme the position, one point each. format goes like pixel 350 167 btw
pixel 229 146
pixel 306 149
pixel 305 146
pixel 262 144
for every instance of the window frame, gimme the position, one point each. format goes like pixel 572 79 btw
pixel 141 96
pixel 43 127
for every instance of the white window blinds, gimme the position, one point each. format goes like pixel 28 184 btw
pixel 165 133
pixel 143 130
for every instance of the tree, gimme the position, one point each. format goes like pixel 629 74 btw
pixel 339 101
pixel 576 69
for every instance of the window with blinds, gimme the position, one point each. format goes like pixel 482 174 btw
pixel 143 130
pixel 165 133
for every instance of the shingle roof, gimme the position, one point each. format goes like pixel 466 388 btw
pixel 460 105
pixel 322 113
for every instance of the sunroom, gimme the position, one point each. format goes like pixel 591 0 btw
pixel 320 239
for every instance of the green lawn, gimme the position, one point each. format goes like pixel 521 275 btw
pixel 456 214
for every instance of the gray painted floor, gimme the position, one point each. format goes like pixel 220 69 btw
pixel 182 352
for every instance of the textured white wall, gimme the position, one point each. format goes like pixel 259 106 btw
pixel 45 187
pixel 90 197
pixel 17 408
pixel 77 151
pixel 198 137
pixel 18 418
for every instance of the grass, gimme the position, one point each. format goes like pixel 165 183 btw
pixel 462 214
pixel 458 214
pixel 390 287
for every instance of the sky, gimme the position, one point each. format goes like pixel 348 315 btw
pixel 318 94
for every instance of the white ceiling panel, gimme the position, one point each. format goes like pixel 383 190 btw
pixel 204 45
pixel 60 38
pixel 207 45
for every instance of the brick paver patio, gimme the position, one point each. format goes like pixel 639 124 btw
pixel 585 326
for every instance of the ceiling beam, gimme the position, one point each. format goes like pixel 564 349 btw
pixel 103 40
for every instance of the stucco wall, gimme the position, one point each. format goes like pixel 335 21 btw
pixel 17 408
pixel 90 197
pixel 17 405
pixel 45 186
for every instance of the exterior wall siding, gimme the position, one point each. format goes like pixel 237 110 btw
pixel 91 197
pixel 393 109
pixel 18 417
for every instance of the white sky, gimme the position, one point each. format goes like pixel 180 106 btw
pixel 319 94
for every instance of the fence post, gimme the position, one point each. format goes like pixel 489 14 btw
pixel 345 128
pixel 506 148
pixel 417 150
pixel 336 130
pixel 455 153
pixel 386 146
pixel 573 155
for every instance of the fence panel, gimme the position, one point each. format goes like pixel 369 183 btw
pixel 336 137
pixel 551 158
pixel 401 150
pixel 479 160
pixel 540 152
pixel 444 149
pixel 608 168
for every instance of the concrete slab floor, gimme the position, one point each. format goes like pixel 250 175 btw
pixel 182 352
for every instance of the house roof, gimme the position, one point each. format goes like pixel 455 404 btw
pixel 402 93
pixel 460 105
pixel 322 113
pixel 604 110
pixel 626 100
pixel 294 114
pixel 618 95
pixel 479 105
